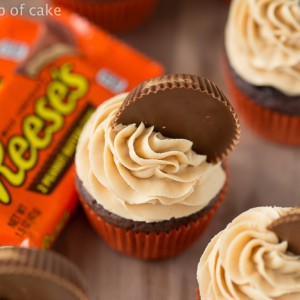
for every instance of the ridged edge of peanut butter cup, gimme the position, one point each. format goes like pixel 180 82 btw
pixel 36 266
pixel 197 101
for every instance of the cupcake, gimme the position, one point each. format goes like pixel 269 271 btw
pixel 262 66
pixel 149 164
pixel 257 256
pixel 112 15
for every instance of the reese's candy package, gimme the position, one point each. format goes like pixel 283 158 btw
pixel 47 97
pixel 120 67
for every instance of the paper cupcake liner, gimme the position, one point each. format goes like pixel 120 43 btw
pixel 115 16
pixel 198 295
pixel 152 246
pixel 270 124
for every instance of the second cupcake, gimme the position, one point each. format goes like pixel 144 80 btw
pixel 149 164
pixel 256 257
pixel 263 66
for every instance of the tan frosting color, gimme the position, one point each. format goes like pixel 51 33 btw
pixel 138 174
pixel 246 261
pixel 262 41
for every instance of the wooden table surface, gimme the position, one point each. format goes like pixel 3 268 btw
pixel 186 36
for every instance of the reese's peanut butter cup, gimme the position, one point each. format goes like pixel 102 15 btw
pixel 287 229
pixel 27 274
pixel 54 41
pixel 184 106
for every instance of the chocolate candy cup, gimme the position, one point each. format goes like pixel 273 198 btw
pixel 287 229
pixel 27 274
pixel 184 106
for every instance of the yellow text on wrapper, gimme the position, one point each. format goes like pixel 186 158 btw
pixel 62 94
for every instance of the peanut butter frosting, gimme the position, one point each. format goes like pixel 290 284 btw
pixel 138 174
pixel 247 261
pixel 262 42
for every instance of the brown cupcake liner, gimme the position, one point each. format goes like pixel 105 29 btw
pixel 272 125
pixel 153 246
pixel 115 16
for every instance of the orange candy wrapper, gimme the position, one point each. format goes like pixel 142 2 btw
pixel 49 90
pixel 100 49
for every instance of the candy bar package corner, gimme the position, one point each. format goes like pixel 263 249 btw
pixel 53 73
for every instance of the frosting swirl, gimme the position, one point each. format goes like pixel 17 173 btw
pixel 247 261
pixel 262 41
pixel 139 174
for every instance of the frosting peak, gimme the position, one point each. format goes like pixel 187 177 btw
pixel 138 173
pixel 246 261
pixel 263 42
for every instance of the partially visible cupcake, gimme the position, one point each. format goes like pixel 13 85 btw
pixel 149 164
pixel 262 66
pixel 257 256
pixel 112 15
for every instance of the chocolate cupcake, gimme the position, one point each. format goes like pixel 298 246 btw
pixel 257 256
pixel 262 66
pixel 149 164
pixel 112 15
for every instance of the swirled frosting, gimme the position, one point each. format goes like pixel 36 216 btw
pixel 138 174
pixel 247 261
pixel 262 41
